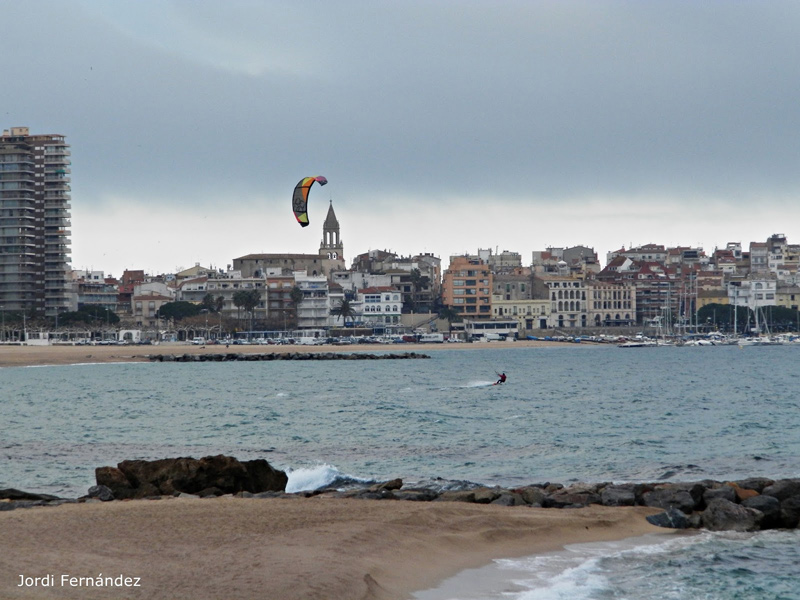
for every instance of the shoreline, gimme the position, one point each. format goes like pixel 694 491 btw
pixel 28 356
pixel 310 548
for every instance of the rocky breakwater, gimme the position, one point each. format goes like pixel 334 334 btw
pixel 269 356
pixel 744 505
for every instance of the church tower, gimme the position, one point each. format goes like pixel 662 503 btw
pixel 331 246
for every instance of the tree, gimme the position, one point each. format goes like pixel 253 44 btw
pixel 418 282
pixel 344 310
pixel 208 303
pixel 449 314
pixel 178 310
pixel 295 299
pixel 247 300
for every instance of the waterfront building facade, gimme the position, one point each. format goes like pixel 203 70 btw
pixel 467 287
pixel 35 274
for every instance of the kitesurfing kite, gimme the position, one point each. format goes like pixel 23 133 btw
pixel 300 198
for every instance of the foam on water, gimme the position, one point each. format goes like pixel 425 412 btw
pixel 320 476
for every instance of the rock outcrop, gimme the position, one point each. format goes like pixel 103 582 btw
pixel 211 475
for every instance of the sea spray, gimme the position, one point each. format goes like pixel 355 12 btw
pixel 321 476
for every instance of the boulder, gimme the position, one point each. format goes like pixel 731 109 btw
pixel 754 483
pixel 670 497
pixel 723 515
pixel 170 476
pixel 417 494
pixel 101 492
pixel 394 484
pixel 572 496
pixel 116 481
pixel 532 495
pixel 672 519
pixel 769 506
pixel 262 477
pixel 726 492
pixel 618 495
pixel 783 489
pixel 790 512
pixel 742 493
pixel 15 495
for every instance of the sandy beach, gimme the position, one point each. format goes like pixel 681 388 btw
pixel 282 548
pixel 18 356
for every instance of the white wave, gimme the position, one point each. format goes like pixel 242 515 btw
pixel 314 478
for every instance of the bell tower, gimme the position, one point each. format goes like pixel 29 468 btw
pixel 331 246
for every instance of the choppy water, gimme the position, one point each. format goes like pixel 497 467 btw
pixel 567 413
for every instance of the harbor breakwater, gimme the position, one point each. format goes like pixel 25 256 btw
pixel 745 505
pixel 269 356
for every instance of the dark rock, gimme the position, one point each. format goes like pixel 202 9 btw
pixel 486 495
pixel 769 506
pixel 141 478
pixel 115 480
pixel 394 484
pixel 754 483
pixel 573 496
pixel 209 492
pixel 508 498
pixel 262 477
pixel 723 515
pixel 418 495
pixel 618 495
pixel 532 495
pixel 790 512
pixel 670 497
pixel 101 492
pixel 783 489
pixel 672 519
pixel 726 492
pixel 14 494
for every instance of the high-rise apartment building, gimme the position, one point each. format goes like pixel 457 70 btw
pixel 34 223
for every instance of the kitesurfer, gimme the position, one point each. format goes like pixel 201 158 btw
pixel 502 379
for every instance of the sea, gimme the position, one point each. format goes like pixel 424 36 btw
pixel 571 413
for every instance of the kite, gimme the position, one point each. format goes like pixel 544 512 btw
pixel 300 198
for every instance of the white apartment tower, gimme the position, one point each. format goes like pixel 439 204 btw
pixel 34 223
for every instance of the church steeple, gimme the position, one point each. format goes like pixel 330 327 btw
pixel 331 246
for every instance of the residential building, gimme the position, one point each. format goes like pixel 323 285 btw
pixel 125 290
pixel 611 303
pixel 314 310
pixel 91 288
pixel 380 306
pixel 568 302
pixel 467 287
pixel 34 223
pixel 418 277
pixel 530 313
pixel 144 308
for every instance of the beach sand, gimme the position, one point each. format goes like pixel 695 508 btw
pixel 283 548
pixel 17 356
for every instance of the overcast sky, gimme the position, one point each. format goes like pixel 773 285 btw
pixel 442 127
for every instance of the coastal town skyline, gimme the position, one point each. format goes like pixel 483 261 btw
pixel 518 126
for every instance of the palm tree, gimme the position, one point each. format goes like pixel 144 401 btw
pixel 251 299
pixel 418 280
pixel 238 302
pixel 344 310
pixel 449 314
pixel 295 298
